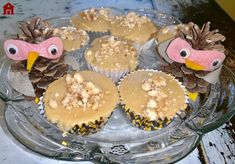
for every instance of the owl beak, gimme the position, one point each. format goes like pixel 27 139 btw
pixel 32 57
pixel 193 65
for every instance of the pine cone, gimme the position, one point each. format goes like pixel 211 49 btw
pixel 35 31
pixel 191 79
pixel 230 61
pixel 201 39
pixel 44 71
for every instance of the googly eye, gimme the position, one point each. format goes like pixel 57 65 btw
pixel 184 53
pixel 53 50
pixel 215 63
pixel 12 49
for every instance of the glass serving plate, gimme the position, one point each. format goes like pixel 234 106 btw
pixel 119 141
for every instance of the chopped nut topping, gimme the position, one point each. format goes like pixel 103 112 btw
pixel 81 93
pixel 53 104
pixel 150 113
pixel 165 30
pixel 114 49
pixel 156 96
pixel 71 33
pixel 92 14
pixel 133 20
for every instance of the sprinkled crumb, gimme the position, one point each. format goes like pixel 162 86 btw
pixel 133 20
pixel 93 14
pixel 157 98
pixel 71 33
pixel 80 94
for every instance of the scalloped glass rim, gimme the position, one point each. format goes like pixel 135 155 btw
pixel 180 139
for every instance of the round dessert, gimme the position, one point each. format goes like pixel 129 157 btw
pixel 94 19
pixel 80 103
pixel 112 56
pixel 151 98
pixel 165 33
pixel 134 27
pixel 169 32
pixel 72 38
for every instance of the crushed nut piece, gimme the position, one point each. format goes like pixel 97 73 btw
pixel 152 104
pixel 92 14
pixel 114 48
pixel 153 86
pixel 71 33
pixel 165 30
pixel 81 93
pixel 53 104
pixel 133 20
pixel 150 113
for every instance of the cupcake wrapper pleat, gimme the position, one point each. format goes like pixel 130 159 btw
pixel 145 123
pixel 114 75
pixel 88 128
pixel 85 128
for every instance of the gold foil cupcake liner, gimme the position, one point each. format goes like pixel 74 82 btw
pixel 82 129
pixel 90 127
pixel 145 123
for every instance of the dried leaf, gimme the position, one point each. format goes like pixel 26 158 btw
pixel 16 79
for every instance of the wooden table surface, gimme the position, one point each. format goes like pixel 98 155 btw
pixel 217 146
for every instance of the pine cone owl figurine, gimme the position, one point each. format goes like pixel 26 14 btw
pixel 194 56
pixel 37 52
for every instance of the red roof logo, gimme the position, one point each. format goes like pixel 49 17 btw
pixel 8 9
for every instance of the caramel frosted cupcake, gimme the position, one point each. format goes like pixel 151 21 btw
pixel 168 32
pixel 94 19
pixel 134 27
pixel 81 102
pixel 73 39
pixel 151 98
pixel 165 33
pixel 112 56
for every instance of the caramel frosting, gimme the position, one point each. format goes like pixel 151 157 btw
pixel 72 37
pixel 166 33
pixel 112 53
pixel 152 94
pixel 97 20
pixel 134 27
pixel 79 98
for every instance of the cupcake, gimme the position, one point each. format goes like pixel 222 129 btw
pixel 81 102
pixel 112 56
pixel 151 98
pixel 165 33
pixel 134 27
pixel 73 39
pixel 93 19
